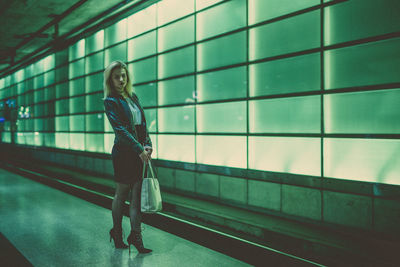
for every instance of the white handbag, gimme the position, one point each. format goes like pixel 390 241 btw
pixel 151 195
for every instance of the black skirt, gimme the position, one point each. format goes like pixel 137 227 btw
pixel 128 166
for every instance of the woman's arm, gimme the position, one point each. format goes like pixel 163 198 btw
pixel 120 130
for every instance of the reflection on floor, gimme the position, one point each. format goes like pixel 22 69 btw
pixel 52 228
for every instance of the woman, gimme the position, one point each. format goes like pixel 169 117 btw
pixel 132 147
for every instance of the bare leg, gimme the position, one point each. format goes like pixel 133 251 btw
pixel 134 207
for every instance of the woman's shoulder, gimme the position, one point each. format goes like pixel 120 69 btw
pixel 111 98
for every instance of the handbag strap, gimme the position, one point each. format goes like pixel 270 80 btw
pixel 150 167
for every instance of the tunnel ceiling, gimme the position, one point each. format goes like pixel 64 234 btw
pixel 27 26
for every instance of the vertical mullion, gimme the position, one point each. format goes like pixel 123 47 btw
pixel 247 96
pixel 322 77
pixel 195 83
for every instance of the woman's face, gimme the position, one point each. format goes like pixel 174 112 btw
pixel 119 79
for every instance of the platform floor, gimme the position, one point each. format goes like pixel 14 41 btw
pixel 52 228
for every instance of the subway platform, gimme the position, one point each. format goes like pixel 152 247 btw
pixel 52 216
pixel 44 226
pixel 52 228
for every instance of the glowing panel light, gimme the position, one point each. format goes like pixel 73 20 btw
pixel 370 160
pixel 227 151
pixel 176 147
pixel 77 141
pixel 48 62
pixel 200 4
pixel 285 154
pixel 62 140
pixel 169 10
pixel 142 21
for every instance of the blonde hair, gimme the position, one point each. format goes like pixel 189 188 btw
pixel 107 83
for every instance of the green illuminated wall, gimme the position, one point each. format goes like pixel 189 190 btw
pixel 288 86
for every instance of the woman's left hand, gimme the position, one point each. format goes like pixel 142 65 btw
pixel 149 149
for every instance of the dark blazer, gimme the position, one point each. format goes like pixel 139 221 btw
pixel 120 118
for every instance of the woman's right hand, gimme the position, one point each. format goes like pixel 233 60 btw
pixel 145 156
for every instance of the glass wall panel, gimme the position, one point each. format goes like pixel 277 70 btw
pixel 77 68
pixel 77 50
pixel 77 86
pixel 286 115
pixel 142 21
pixel 107 126
pixel 95 62
pixel 154 142
pixel 20 75
pixel 94 82
pixel 62 123
pixel 50 93
pixel 77 123
pixel 223 117
pixel 227 151
pixel 62 90
pixel 38 68
pixel 95 42
pixel 38 139
pixel 50 139
pixel 221 19
pixel 62 106
pixel 144 70
pixel 77 141
pixel 176 62
pixel 49 63
pixel 142 46
pixel 169 10
pixel 28 73
pixel 176 91
pixel 49 78
pixel 352 112
pixel 268 40
pixel 94 102
pixel 38 81
pixel 147 94
pixel 38 95
pixel 223 84
pixel 94 142
pixel 285 154
pixel 29 126
pixel 358 19
pixel 115 33
pixel 39 111
pixel 151 119
pixel 20 138
pixel 6 137
pixel 289 75
pixel 117 52
pixel 62 73
pixel 94 123
pixel 39 125
pixel 261 10
pixel 77 104
pixel 176 34
pixel 371 160
pixel 61 58
pixel 176 147
pixel 176 119
pixel 108 143
pixel 50 125
pixel 223 51
pixel 365 64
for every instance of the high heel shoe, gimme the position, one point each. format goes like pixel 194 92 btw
pixel 135 238
pixel 116 235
